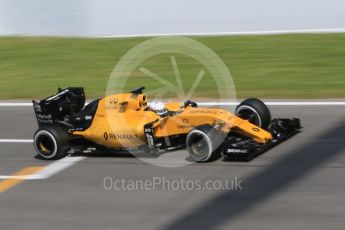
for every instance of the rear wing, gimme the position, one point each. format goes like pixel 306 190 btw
pixel 59 107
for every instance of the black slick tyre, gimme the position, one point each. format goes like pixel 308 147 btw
pixel 51 142
pixel 255 111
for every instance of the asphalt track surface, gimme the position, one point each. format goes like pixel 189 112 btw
pixel 299 184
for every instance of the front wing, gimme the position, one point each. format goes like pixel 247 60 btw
pixel 237 148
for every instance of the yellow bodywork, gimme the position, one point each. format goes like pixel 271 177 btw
pixel 120 119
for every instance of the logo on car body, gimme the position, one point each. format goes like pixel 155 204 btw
pixel 105 136
pixel 112 136
pixel 113 100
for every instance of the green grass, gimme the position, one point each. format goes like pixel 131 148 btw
pixel 276 66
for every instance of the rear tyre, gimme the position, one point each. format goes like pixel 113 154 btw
pixel 51 142
pixel 204 143
pixel 255 111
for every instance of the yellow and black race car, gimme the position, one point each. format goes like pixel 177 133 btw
pixel 127 122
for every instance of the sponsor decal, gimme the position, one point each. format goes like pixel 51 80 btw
pixel 237 151
pixel 88 117
pixel 112 104
pixel 149 137
pixel 46 121
pixel 119 136
pixel 105 136
pixel 150 141
pixel 43 116
pixel 111 107
pixel 185 124
pixel 113 100
pixel 206 112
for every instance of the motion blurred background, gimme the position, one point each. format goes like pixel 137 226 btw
pixel 107 17
pixel 47 43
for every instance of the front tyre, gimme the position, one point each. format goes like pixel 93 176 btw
pixel 255 111
pixel 204 143
pixel 51 142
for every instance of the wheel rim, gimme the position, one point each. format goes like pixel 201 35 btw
pixel 45 144
pixel 199 146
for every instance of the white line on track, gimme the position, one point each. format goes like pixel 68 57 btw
pixel 16 140
pixel 15 104
pixel 282 103
pixel 49 170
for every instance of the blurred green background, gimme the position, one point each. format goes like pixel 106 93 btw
pixel 274 66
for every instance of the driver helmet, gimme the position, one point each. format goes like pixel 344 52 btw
pixel 159 108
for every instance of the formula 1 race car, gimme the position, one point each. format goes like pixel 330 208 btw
pixel 127 122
